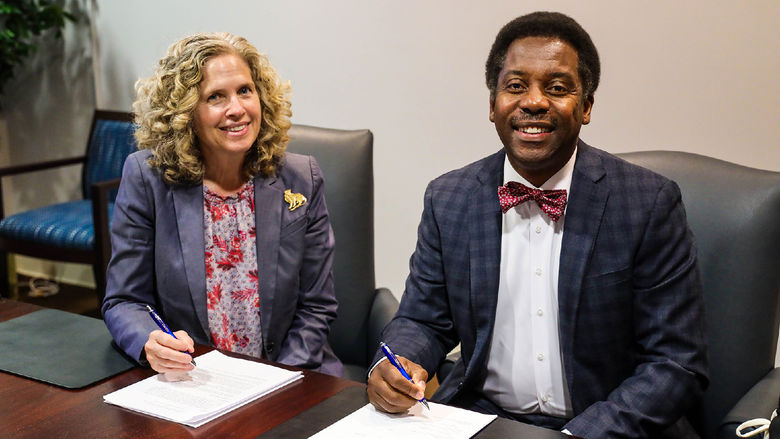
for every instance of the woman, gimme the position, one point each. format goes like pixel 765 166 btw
pixel 215 226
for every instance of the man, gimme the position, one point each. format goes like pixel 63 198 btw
pixel 579 309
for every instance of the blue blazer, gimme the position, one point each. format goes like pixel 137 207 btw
pixel 158 258
pixel 630 305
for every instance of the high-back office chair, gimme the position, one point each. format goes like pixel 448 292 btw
pixel 346 159
pixel 734 212
pixel 74 231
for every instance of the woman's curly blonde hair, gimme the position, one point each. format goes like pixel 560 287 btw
pixel 165 104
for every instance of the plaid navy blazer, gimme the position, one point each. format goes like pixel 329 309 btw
pixel 630 305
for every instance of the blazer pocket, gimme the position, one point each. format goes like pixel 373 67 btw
pixel 605 280
pixel 294 226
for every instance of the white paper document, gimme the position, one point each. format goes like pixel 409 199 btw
pixel 216 386
pixel 442 421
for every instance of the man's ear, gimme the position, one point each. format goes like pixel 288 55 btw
pixel 588 105
pixel 492 113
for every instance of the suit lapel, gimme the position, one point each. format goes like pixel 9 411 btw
pixel 269 200
pixel 484 225
pixel 188 208
pixel 584 213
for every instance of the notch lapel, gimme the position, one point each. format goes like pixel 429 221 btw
pixel 188 208
pixel 584 213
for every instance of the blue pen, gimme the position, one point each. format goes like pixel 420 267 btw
pixel 394 361
pixel 164 327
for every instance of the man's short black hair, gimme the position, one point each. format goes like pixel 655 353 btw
pixel 546 24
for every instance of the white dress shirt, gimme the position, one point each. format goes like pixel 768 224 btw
pixel 525 369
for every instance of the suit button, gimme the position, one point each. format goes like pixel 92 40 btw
pixel 269 347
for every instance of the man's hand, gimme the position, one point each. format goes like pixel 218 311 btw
pixel 168 355
pixel 390 392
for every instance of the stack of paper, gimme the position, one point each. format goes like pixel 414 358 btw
pixel 216 386
pixel 441 421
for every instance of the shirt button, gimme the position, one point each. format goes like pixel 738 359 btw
pixel 540 357
pixel 539 312
pixel 538 230
pixel 538 271
pixel 545 398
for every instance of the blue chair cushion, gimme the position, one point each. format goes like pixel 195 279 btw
pixel 65 225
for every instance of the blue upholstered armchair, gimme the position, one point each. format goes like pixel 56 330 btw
pixel 74 231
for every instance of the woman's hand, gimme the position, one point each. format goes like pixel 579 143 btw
pixel 169 355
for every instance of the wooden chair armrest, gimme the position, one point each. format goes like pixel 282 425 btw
pixel 31 167
pixel 103 187
pixel 99 193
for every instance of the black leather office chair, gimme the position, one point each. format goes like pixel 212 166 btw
pixel 346 159
pixel 734 212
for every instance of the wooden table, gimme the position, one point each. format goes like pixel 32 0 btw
pixel 32 409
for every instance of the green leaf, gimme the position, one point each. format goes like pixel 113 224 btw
pixel 20 20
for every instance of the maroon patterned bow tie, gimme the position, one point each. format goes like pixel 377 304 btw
pixel 552 202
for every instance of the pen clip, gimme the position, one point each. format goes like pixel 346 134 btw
pixel 394 360
pixel 160 322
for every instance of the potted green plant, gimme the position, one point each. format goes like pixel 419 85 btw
pixel 20 22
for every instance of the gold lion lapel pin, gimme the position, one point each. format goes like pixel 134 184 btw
pixel 295 200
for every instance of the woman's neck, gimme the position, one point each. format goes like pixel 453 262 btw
pixel 224 178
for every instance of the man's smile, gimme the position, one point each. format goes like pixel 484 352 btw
pixel 534 130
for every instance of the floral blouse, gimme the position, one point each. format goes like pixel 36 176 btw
pixel 233 299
